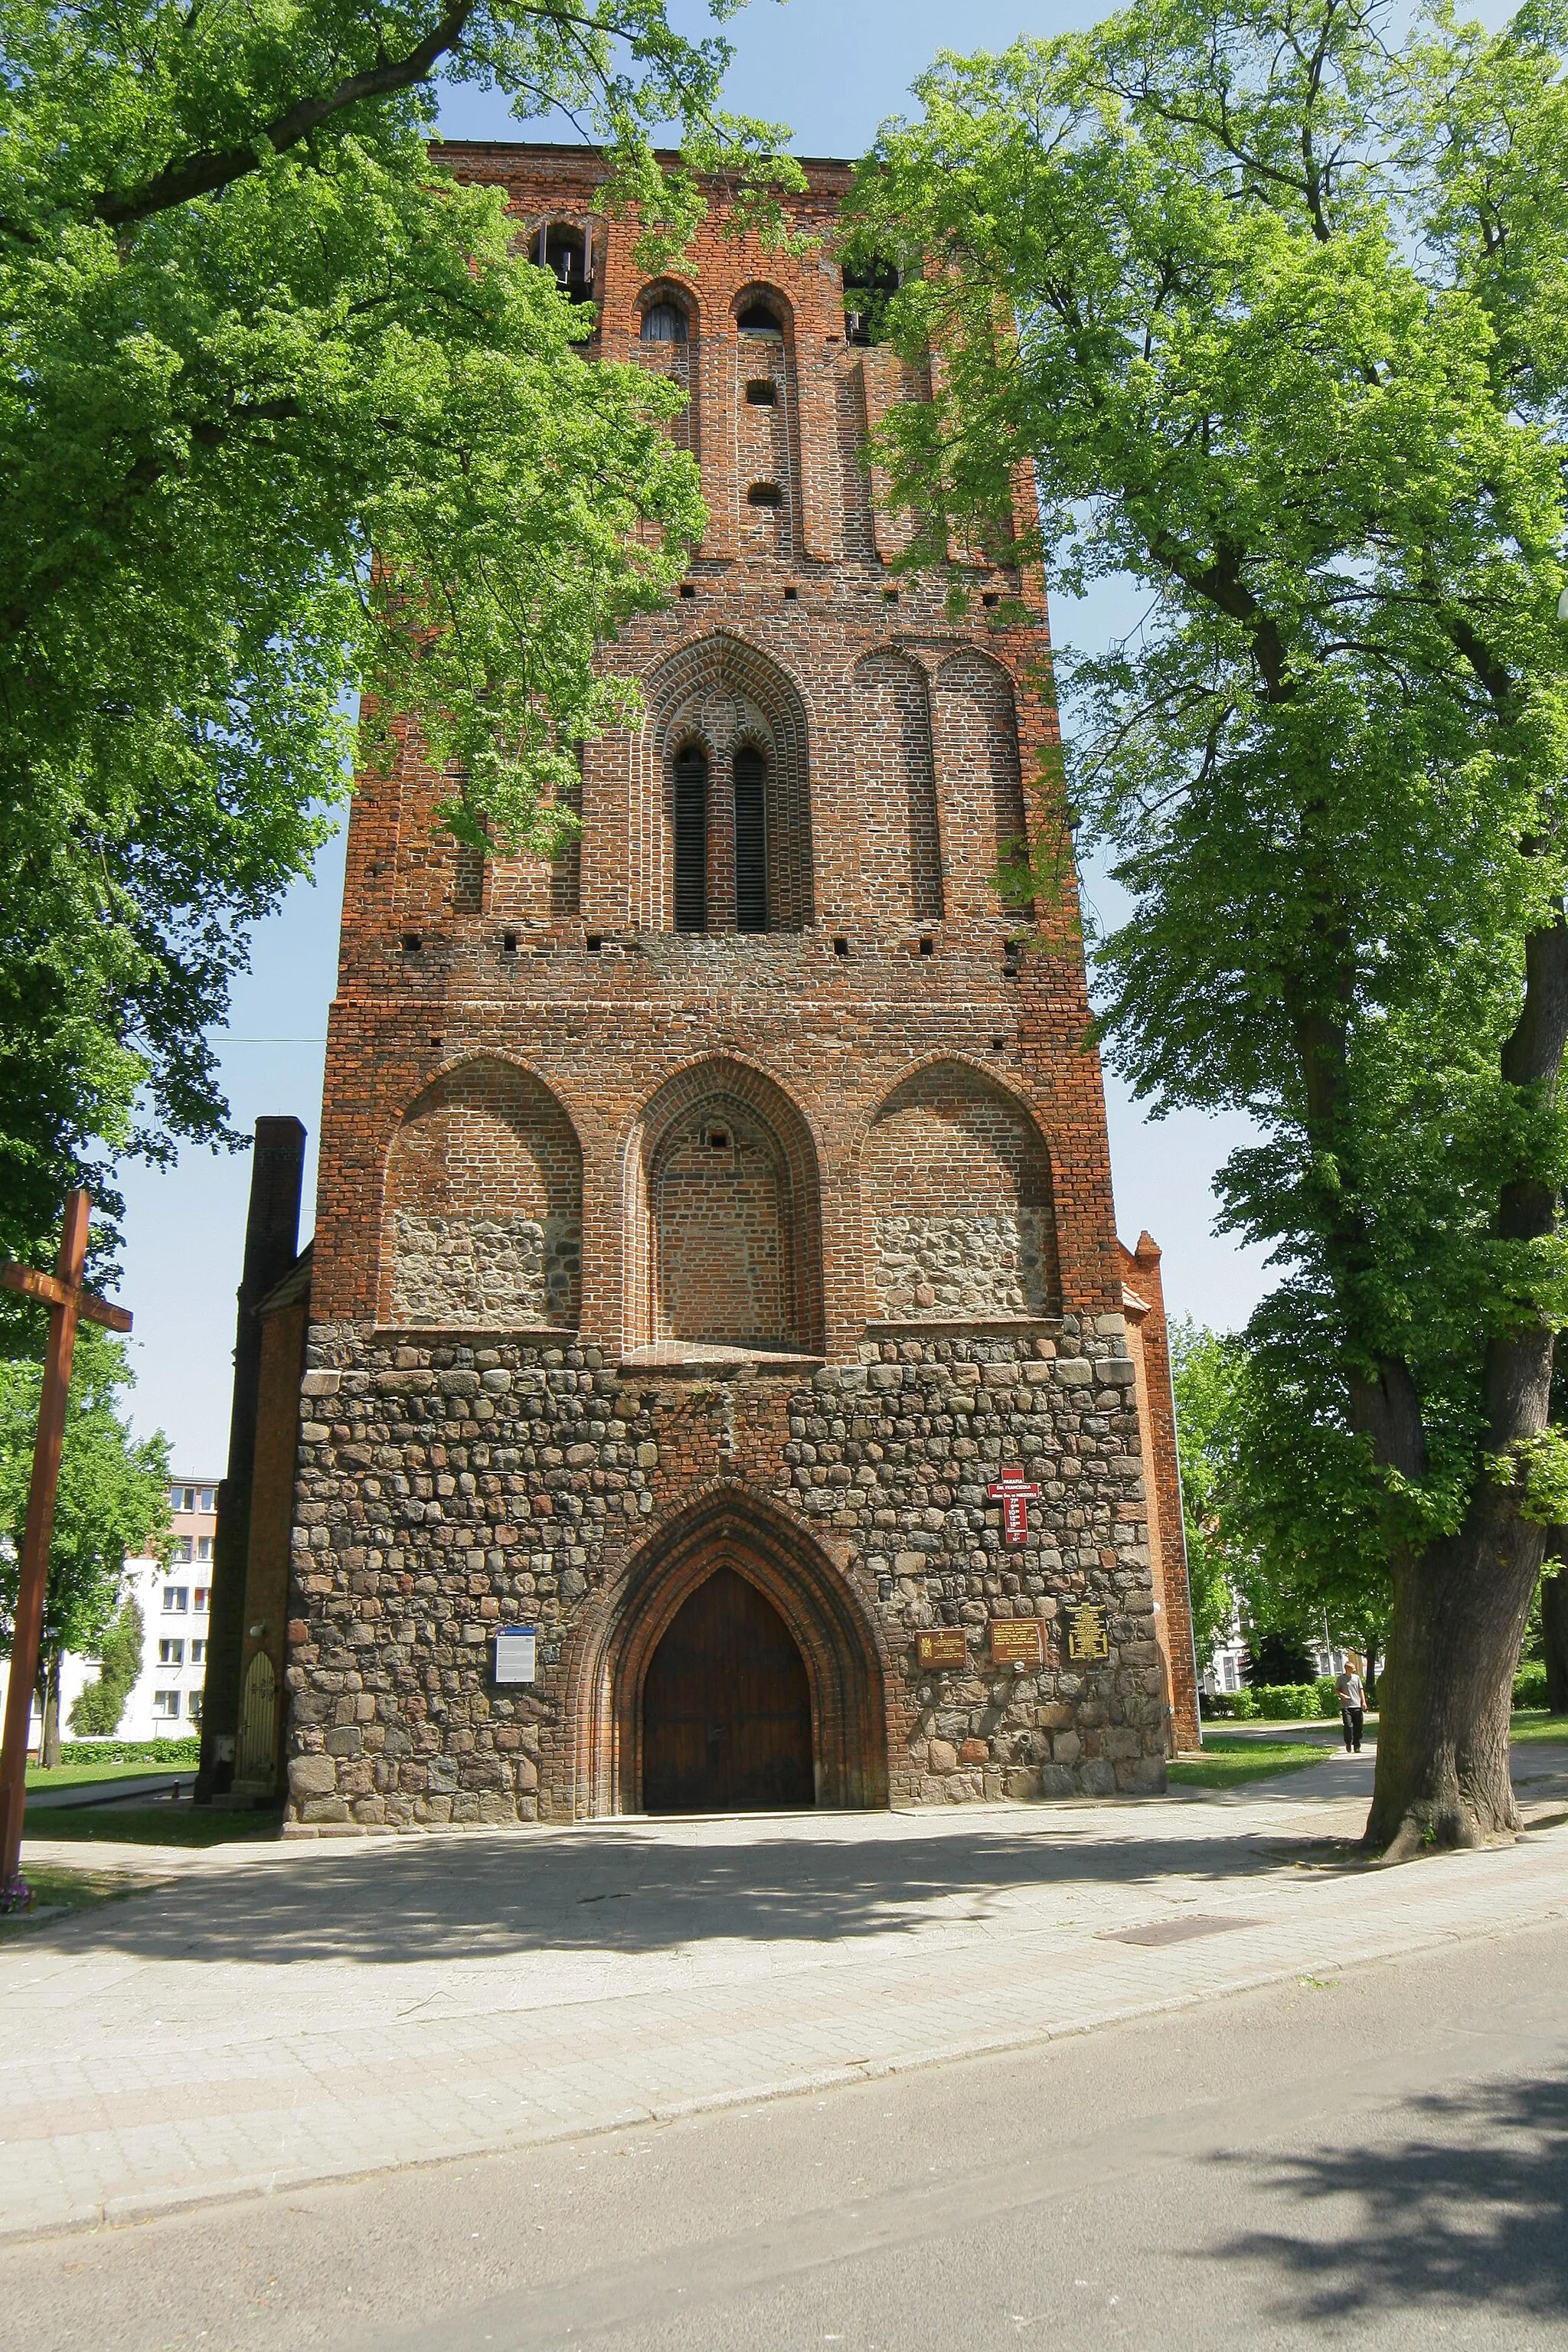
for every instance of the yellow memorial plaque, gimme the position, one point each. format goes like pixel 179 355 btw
pixel 1017 1642
pixel 1087 1636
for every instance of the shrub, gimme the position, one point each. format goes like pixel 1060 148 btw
pixel 176 1753
pixel 1529 1684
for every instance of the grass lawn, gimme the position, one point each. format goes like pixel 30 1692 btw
pixel 57 1887
pixel 81 1776
pixel 1534 1723
pixel 1225 1761
pixel 183 1824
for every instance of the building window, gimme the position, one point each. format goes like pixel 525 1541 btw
pixel 761 392
pixel 663 322
pixel 180 1548
pixel 758 318
pixel 165 1704
pixel 764 494
pixel 176 1599
pixel 199 1654
pixel 203 1546
pixel 170 1653
pixel 751 841
pixel 194 1706
pixel 203 1599
pixel 691 840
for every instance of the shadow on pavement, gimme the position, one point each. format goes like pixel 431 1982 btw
pixel 487 1896
pixel 1474 2209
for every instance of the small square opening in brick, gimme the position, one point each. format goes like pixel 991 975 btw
pixel 991 600
pixel 509 944
pixel 435 1044
pixel 688 590
pixel 792 596
pixel 411 942
pixel 890 595
pixel 998 1045
pixel 594 943
pixel 840 947
pixel 928 947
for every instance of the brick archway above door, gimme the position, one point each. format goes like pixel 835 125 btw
pixel 730 1530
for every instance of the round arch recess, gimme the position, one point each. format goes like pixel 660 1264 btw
pixel 835 1635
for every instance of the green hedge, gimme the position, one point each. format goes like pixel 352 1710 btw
pixel 1277 1703
pixel 132 1751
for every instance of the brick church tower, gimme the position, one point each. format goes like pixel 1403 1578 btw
pixel 715 1224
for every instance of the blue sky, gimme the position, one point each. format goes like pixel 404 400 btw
pixel 832 70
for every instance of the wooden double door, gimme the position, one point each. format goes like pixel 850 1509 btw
pixel 727 1707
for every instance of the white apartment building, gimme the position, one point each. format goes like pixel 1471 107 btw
pixel 175 1597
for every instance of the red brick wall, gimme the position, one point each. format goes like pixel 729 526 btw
pixel 1144 1298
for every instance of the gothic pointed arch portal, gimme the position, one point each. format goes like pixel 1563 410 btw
pixel 730 1621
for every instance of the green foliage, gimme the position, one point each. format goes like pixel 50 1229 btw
pixel 175 1752
pixel 98 1707
pixel 1203 1371
pixel 1530 1685
pixel 275 380
pixel 1292 349
pixel 113 1495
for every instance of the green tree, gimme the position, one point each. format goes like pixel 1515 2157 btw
pixel 274 378
pixel 98 1707
pixel 113 1500
pixel 1273 1544
pixel 1202 1379
pixel 1292 349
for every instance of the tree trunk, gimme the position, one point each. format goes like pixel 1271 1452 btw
pixel 49 1742
pixel 1458 1618
pixel 1554 1638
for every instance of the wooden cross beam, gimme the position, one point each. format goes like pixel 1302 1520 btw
pixel 67 1299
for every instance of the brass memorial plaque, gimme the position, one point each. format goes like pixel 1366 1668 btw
pixel 942 1646
pixel 1086 1637
pixel 1017 1642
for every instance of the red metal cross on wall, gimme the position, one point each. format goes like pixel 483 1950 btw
pixel 1015 1494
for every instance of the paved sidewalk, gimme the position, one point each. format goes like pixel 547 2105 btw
pixel 271 2015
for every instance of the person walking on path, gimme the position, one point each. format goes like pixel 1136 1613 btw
pixel 1352 1704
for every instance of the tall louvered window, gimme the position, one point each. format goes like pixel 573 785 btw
pixel 692 841
pixel 751 841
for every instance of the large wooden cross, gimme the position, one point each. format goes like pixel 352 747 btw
pixel 63 1293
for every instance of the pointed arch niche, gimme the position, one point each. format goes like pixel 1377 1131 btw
pixel 725 699
pixel 483 1227
pixel 728 1529
pixel 956 1181
pixel 723 1218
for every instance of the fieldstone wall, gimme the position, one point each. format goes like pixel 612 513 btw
pixel 981 1264
pixel 483 1269
pixel 445 1491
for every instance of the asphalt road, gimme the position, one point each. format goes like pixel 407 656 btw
pixel 1378 2156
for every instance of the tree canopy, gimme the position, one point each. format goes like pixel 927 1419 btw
pixel 114 1498
pixel 1273 301
pixel 274 380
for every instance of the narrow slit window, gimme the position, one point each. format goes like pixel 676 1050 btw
pixel 692 841
pixel 751 841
